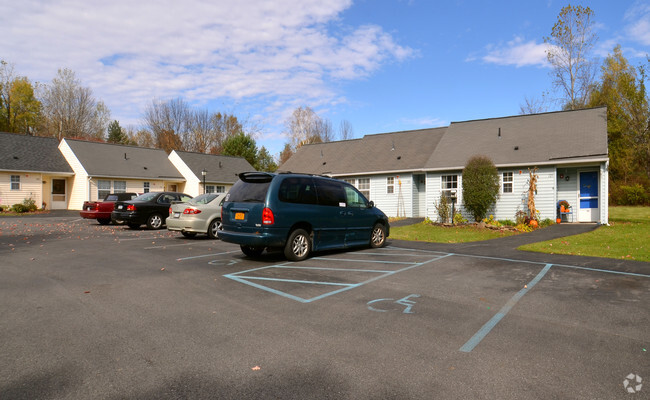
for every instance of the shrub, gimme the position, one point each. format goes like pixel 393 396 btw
pixel 19 208
pixel 633 195
pixel 459 219
pixel 30 204
pixel 480 186
pixel 443 207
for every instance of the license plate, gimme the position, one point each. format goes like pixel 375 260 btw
pixel 119 207
pixel 177 214
pixel 239 215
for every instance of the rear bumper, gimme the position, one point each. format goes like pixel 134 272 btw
pixel 186 225
pixel 95 215
pixel 266 238
pixel 128 217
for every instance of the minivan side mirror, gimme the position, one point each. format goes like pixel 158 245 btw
pixel 371 204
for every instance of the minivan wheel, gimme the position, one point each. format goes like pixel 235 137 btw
pixel 378 236
pixel 214 228
pixel 298 246
pixel 252 251
pixel 154 221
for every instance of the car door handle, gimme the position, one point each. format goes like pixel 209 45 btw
pixel 344 213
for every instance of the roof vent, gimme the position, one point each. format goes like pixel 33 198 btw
pixel 399 157
pixel 220 164
pixel 125 157
pixel 499 134
pixel 516 147
pixel 145 168
pixel 324 162
pixel 15 157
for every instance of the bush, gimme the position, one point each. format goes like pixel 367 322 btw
pixel 633 195
pixel 19 208
pixel 30 204
pixel 459 219
pixel 443 207
pixel 480 186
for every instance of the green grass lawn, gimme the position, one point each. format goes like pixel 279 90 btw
pixel 425 232
pixel 627 237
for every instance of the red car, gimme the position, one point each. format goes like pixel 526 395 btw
pixel 101 211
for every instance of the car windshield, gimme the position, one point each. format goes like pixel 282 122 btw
pixel 204 198
pixel 146 197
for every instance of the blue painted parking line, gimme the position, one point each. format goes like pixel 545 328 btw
pixel 248 277
pixel 483 332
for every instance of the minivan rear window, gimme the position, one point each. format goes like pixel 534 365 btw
pixel 248 192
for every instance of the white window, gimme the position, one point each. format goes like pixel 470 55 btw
pixel 119 186
pixel 103 188
pixel 351 181
pixel 364 187
pixel 507 182
pixel 15 182
pixel 220 189
pixel 209 188
pixel 449 185
pixel 390 184
pixel 145 187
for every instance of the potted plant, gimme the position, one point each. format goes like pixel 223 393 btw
pixel 564 206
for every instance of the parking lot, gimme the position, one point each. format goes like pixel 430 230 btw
pixel 92 311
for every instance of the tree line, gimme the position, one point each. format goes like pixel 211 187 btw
pixel 619 86
pixel 66 108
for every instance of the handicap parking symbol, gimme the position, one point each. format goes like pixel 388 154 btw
pixel 408 304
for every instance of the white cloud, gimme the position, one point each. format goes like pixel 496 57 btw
pixel 638 28
pixel 130 52
pixel 517 52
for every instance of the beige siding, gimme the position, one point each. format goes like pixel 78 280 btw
pixel 132 185
pixel 78 185
pixel 193 185
pixel 31 187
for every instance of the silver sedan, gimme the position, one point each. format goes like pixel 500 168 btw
pixel 201 214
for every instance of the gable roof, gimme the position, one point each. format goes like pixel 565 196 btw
pixel 31 153
pixel 120 161
pixel 555 137
pixel 565 136
pixel 396 151
pixel 219 168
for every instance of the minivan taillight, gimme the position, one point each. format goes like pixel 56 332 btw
pixel 130 207
pixel 267 216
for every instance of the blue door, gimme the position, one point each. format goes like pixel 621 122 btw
pixel 589 202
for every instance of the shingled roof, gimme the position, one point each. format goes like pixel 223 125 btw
pixel 565 136
pixel 219 168
pixel 31 153
pixel 119 161
pixel 555 137
pixel 397 151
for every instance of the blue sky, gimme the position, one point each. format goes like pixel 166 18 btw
pixel 384 65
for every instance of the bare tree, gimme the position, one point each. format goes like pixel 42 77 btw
pixel 534 105
pixel 345 130
pixel 305 126
pixel 571 41
pixel 71 110
pixel 168 122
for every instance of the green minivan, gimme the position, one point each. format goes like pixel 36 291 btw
pixel 299 213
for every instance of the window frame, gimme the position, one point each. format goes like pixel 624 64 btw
pixel 449 184
pixel 507 183
pixel 102 188
pixel 146 187
pixel 365 190
pixel 14 180
pixel 390 184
